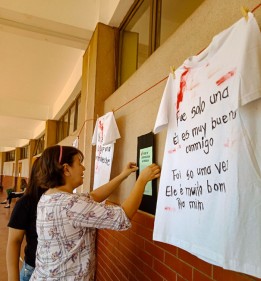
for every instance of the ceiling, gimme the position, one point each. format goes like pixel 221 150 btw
pixel 41 47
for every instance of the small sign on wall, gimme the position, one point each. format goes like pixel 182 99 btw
pixel 145 157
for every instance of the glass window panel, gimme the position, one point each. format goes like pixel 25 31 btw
pixel 60 130
pixel 24 152
pixel 78 104
pixel 72 119
pixel 65 125
pixel 39 145
pixel 135 41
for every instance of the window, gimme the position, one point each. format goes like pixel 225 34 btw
pixel 24 152
pixel 68 123
pixel 135 45
pixel 72 118
pixel 39 148
pixel 147 26
pixel 10 156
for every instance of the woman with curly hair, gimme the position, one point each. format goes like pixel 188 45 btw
pixel 67 222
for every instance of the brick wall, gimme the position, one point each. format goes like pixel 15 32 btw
pixel 133 255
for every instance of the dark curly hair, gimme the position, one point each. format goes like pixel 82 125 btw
pixel 52 160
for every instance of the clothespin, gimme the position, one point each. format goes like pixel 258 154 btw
pixel 172 70
pixel 245 11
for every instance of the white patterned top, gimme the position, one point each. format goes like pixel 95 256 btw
pixel 66 227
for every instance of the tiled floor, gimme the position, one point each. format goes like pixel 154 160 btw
pixel 4 218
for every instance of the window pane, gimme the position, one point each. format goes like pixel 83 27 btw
pixel 78 103
pixel 135 41
pixel 173 14
pixel 65 125
pixel 72 116
pixel 24 152
pixel 60 130
pixel 39 145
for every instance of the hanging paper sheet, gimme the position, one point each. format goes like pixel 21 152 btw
pixel 105 134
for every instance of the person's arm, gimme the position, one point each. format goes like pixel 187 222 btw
pixel 15 239
pixel 132 203
pixel 104 191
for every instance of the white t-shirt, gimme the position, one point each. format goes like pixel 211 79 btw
pixel 209 200
pixel 105 134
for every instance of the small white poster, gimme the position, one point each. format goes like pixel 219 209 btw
pixel 104 136
pixel 146 160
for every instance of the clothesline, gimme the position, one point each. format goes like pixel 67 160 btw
pixel 151 87
pixel 258 6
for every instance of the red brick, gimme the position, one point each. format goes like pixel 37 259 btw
pixel 179 266
pixel 155 251
pixel 139 217
pixel 104 233
pixel 179 278
pixel 128 243
pixel 103 239
pixel 221 274
pixel 142 231
pixel 128 258
pixel 117 265
pixel 132 277
pixel 164 271
pixel 124 265
pixel 167 247
pixel 150 222
pixel 121 275
pixel 138 240
pixel 108 269
pixel 101 276
pixel 152 275
pixel 141 276
pixel 198 276
pixel 144 257
pixel 199 264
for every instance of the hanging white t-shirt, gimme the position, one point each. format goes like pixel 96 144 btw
pixel 105 134
pixel 209 200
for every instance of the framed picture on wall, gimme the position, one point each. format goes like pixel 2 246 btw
pixel 145 157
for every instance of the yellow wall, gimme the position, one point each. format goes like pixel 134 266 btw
pixel 138 117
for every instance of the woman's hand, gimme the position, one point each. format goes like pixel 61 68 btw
pixel 104 191
pixel 131 204
pixel 151 172
pixel 130 168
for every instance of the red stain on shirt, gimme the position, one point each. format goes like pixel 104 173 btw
pixel 167 208
pixel 100 139
pixel 100 124
pixel 226 77
pixel 171 151
pixel 182 86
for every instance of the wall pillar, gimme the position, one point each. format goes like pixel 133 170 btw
pixel 50 133
pixel 98 83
